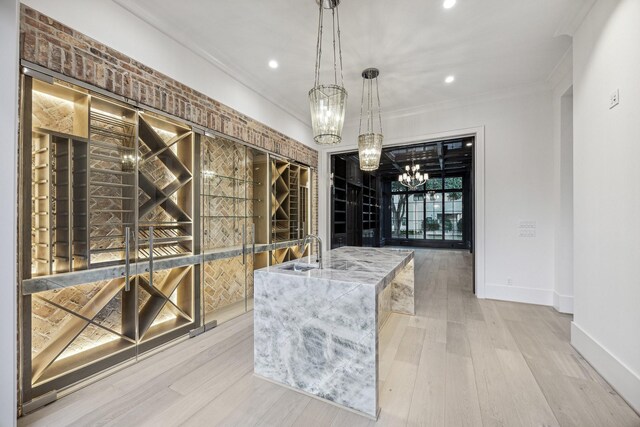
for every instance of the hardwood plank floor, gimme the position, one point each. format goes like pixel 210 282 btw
pixel 460 361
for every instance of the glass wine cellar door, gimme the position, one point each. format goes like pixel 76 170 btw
pixel 229 221
pixel 137 229
pixel 107 239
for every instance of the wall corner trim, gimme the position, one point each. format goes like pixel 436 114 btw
pixel 623 380
pixel 563 303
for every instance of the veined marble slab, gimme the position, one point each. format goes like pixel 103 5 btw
pixel 317 331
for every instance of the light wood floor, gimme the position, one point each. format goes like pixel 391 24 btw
pixel 460 361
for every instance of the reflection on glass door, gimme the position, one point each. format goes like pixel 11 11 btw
pixel 227 219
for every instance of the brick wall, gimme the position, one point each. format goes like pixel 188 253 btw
pixel 50 44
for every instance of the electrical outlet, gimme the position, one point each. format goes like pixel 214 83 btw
pixel 509 281
pixel 527 229
pixel 614 98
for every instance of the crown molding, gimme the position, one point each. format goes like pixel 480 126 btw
pixel 572 21
pixel 233 72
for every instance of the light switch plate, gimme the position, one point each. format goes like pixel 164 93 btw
pixel 614 98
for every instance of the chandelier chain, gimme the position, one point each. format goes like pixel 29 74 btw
pixel 336 38
pixel 361 109
pixel 319 47
pixel 379 105
pixel 339 46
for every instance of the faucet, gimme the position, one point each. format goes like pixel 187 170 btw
pixel 309 237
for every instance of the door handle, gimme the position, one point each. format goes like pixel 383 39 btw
pixel 151 256
pixel 127 263
pixel 244 243
pixel 253 238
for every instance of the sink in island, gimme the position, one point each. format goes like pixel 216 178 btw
pixel 316 330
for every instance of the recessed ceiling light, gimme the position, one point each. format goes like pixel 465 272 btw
pixel 273 64
pixel 449 79
pixel 448 4
pixel 469 144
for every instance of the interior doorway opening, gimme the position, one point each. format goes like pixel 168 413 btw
pixel 376 209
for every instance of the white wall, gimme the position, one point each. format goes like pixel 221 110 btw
pixel 606 327
pixel 518 181
pixel 141 41
pixel 8 162
pixel 561 81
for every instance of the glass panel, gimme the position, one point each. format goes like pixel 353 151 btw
pixel 165 196
pixel 223 289
pixel 433 216
pixel 433 184
pixel 74 327
pixel 397 187
pixel 415 217
pixel 453 183
pixel 453 221
pixel 112 162
pixel 398 216
pixel 224 193
pixel 165 303
pixel 228 220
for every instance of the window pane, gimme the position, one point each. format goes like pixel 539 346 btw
pixel 396 186
pixel 453 183
pixel 453 221
pixel 433 216
pixel 433 184
pixel 416 216
pixel 398 213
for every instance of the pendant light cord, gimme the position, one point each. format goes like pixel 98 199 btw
pixel 370 118
pixel 337 55
pixel 379 107
pixel 319 47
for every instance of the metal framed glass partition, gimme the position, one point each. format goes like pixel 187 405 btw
pixel 137 229
pixel 107 270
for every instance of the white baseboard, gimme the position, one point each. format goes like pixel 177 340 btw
pixel 519 294
pixel 563 303
pixel 622 379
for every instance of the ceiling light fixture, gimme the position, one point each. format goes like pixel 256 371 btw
pixel 273 64
pixel 413 178
pixel 328 102
pixel 449 79
pixel 370 142
pixel 448 4
pixel 469 144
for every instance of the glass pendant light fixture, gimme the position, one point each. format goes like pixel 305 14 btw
pixel 369 141
pixel 412 178
pixel 328 102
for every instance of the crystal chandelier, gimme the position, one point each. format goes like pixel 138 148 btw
pixel 413 178
pixel 328 102
pixel 370 142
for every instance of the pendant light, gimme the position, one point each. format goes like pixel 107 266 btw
pixel 328 102
pixel 370 142
pixel 412 178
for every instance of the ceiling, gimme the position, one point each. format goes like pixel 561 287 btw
pixel 489 45
pixel 454 156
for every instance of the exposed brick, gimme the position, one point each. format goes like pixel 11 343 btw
pixel 51 44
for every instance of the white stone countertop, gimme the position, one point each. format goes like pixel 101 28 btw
pixel 365 266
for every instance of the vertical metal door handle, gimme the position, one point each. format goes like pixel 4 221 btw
pixel 151 256
pixel 127 288
pixel 244 243
pixel 253 237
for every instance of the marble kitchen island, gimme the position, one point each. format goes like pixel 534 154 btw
pixel 316 331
